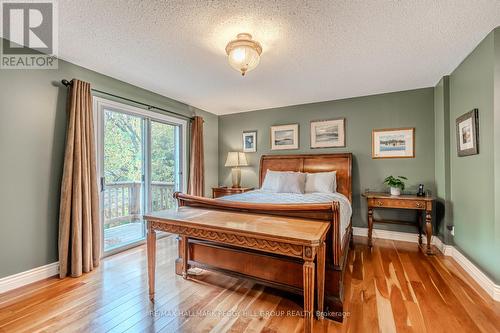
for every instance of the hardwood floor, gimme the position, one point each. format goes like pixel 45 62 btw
pixel 393 288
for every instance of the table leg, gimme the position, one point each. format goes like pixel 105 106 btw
pixel 370 226
pixel 420 223
pixel 185 256
pixel 151 250
pixel 428 230
pixel 308 273
pixel 321 278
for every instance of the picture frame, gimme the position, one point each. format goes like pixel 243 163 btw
pixel 467 130
pixel 285 137
pixel 249 141
pixel 328 133
pixel 393 143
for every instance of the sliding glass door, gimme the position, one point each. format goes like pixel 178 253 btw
pixel 165 175
pixel 123 179
pixel 141 156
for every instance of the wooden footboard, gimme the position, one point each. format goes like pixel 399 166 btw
pixel 268 269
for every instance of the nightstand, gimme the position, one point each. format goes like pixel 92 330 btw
pixel 218 192
pixel 423 205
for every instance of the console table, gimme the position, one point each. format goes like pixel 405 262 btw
pixel 286 236
pixel 423 205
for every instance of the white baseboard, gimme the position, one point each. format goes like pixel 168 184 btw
pixel 387 234
pixel 448 250
pixel 482 279
pixel 24 278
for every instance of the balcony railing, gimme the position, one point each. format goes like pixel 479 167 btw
pixel 162 195
pixel 122 200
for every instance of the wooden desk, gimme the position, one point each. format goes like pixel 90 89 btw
pixel 385 200
pixel 292 237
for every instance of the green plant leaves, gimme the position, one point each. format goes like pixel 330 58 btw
pixel 398 182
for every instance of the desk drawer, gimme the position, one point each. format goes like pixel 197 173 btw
pixel 397 203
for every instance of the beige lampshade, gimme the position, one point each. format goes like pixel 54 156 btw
pixel 236 159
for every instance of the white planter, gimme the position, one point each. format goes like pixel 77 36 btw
pixel 395 191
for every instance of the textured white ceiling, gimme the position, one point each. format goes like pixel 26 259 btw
pixel 312 50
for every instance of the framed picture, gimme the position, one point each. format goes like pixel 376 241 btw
pixel 328 133
pixel 468 133
pixel 393 143
pixel 250 142
pixel 285 137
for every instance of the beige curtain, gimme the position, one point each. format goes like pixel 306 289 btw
pixel 196 184
pixel 79 230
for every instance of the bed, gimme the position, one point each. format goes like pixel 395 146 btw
pixel 268 269
pixel 263 196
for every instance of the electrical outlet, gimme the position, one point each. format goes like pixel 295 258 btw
pixel 452 231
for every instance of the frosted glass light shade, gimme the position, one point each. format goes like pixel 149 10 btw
pixel 243 53
pixel 236 159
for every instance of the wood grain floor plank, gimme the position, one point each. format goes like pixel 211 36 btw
pixel 241 309
pixel 87 290
pixel 190 309
pixel 392 287
pixel 216 310
pixel 259 311
pixel 368 295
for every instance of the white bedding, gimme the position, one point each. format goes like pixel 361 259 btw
pixel 262 196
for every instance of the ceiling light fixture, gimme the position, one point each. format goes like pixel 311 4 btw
pixel 243 53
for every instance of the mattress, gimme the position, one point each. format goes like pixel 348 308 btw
pixel 261 196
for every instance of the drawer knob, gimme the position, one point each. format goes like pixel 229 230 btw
pixel 419 205
pixel 379 203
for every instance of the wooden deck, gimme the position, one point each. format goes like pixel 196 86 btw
pixel 123 234
pixel 392 288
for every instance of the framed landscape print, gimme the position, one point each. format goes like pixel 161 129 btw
pixel 393 143
pixel 328 133
pixel 468 133
pixel 250 142
pixel 285 137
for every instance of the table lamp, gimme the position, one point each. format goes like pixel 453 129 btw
pixel 235 160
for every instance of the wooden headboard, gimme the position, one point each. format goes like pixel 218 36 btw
pixel 341 162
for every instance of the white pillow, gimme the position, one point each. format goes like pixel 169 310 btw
pixel 284 181
pixel 292 182
pixel 323 182
pixel 271 181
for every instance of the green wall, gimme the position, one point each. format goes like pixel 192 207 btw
pixel 496 143
pixel 32 135
pixel 414 108
pixel 442 156
pixel 475 179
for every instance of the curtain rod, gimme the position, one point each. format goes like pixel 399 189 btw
pixel 149 107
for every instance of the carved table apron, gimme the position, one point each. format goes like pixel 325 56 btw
pixel 292 237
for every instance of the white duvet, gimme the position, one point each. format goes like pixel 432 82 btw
pixel 262 196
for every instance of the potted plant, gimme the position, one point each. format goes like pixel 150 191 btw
pixel 396 184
